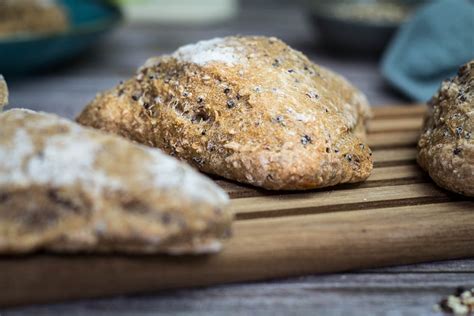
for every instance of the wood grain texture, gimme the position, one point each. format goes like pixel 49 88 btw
pixel 396 217
pixel 394 156
pixel 392 125
pixel 383 176
pixel 393 139
pixel 399 111
pixel 407 294
pixel 261 249
pixel 337 200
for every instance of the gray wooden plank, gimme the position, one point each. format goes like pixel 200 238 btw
pixel 451 266
pixel 341 294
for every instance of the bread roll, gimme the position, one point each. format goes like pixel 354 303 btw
pixel 66 188
pixel 446 145
pixel 249 109
pixel 31 16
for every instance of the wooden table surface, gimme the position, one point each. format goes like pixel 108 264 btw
pixel 407 290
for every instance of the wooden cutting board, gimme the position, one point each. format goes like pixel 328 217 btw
pixel 397 216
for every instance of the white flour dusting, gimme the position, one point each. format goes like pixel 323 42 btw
pixel 205 52
pixel 70 158
pixel 170 174
pixel 64 159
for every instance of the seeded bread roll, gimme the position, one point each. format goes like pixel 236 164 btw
pixel 3 93
pixel 446 146
pixel 31 16
pixel 249 109
pixel 65 188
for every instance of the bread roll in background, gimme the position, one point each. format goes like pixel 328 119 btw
pixel 67 188
pixel 20 17
pixel 249 109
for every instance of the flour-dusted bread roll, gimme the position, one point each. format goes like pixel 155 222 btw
pixel 3 93
pixel 19 17
pixel 67 188
pixel 249 109
pixel 446 146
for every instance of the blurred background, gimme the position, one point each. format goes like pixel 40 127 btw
pixel 396 51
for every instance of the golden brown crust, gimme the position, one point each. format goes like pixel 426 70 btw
pixel 249 109
pixel 3 93
pixel 68 188
pixel 31 16
pixel 446 146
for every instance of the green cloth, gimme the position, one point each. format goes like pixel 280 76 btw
pixel 430 47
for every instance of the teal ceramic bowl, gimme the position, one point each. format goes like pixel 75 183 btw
pixel 90 20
